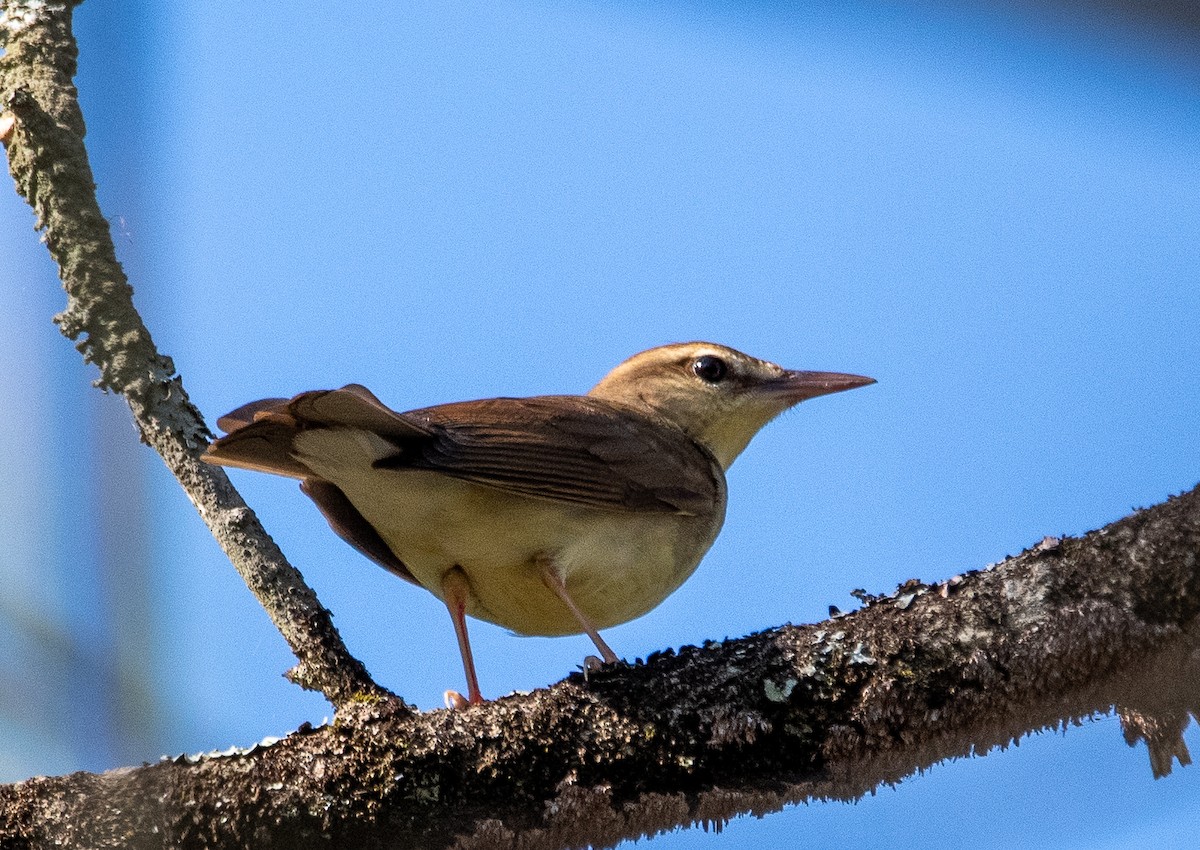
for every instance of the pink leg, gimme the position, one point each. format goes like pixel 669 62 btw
pixel 455 588
pixel 554 581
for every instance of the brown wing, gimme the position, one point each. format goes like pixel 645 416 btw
pixel 563 448
pixel 566 448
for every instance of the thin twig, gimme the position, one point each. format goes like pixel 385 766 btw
pixel 49 163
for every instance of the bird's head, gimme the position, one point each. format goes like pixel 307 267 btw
pixel 716 394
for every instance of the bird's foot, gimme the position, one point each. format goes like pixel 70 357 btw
pixel 457 702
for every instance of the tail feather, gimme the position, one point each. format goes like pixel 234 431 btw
pixel 260 433
pixel 352 526
pixel 353 406
pixel 264 445
pixel 261 436
pixel 237 419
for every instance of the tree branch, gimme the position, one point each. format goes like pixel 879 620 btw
pixel 1068 629
pixel 43 134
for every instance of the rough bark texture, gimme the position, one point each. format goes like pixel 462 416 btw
pixel 48 161
pixel 1068 629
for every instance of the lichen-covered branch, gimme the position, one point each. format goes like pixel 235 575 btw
pixel 1068 629
pixel 43 135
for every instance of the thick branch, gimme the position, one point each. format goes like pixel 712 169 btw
pixel 1067 629
pixel 50 166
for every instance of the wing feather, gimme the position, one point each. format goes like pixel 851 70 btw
pixel 568 448
pixel 576 449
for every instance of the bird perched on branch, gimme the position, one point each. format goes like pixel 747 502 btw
pixel 549 515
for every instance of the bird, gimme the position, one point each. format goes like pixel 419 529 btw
pixel 547 515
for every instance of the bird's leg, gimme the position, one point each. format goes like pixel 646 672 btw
pixel 455 589
pixel 553 580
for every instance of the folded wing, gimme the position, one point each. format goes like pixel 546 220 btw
pixel 567 448
pixel 573 449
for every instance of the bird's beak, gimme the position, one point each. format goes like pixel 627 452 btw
pixel 795 387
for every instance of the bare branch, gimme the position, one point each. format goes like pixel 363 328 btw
pixel 48 161
pixel 1066 630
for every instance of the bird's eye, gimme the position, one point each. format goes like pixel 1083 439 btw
pixel 710 368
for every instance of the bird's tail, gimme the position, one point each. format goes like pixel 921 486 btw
pixel 260 438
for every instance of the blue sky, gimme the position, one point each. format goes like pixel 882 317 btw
pixel 996 217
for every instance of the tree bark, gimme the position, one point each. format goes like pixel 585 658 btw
pixel 1067 630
